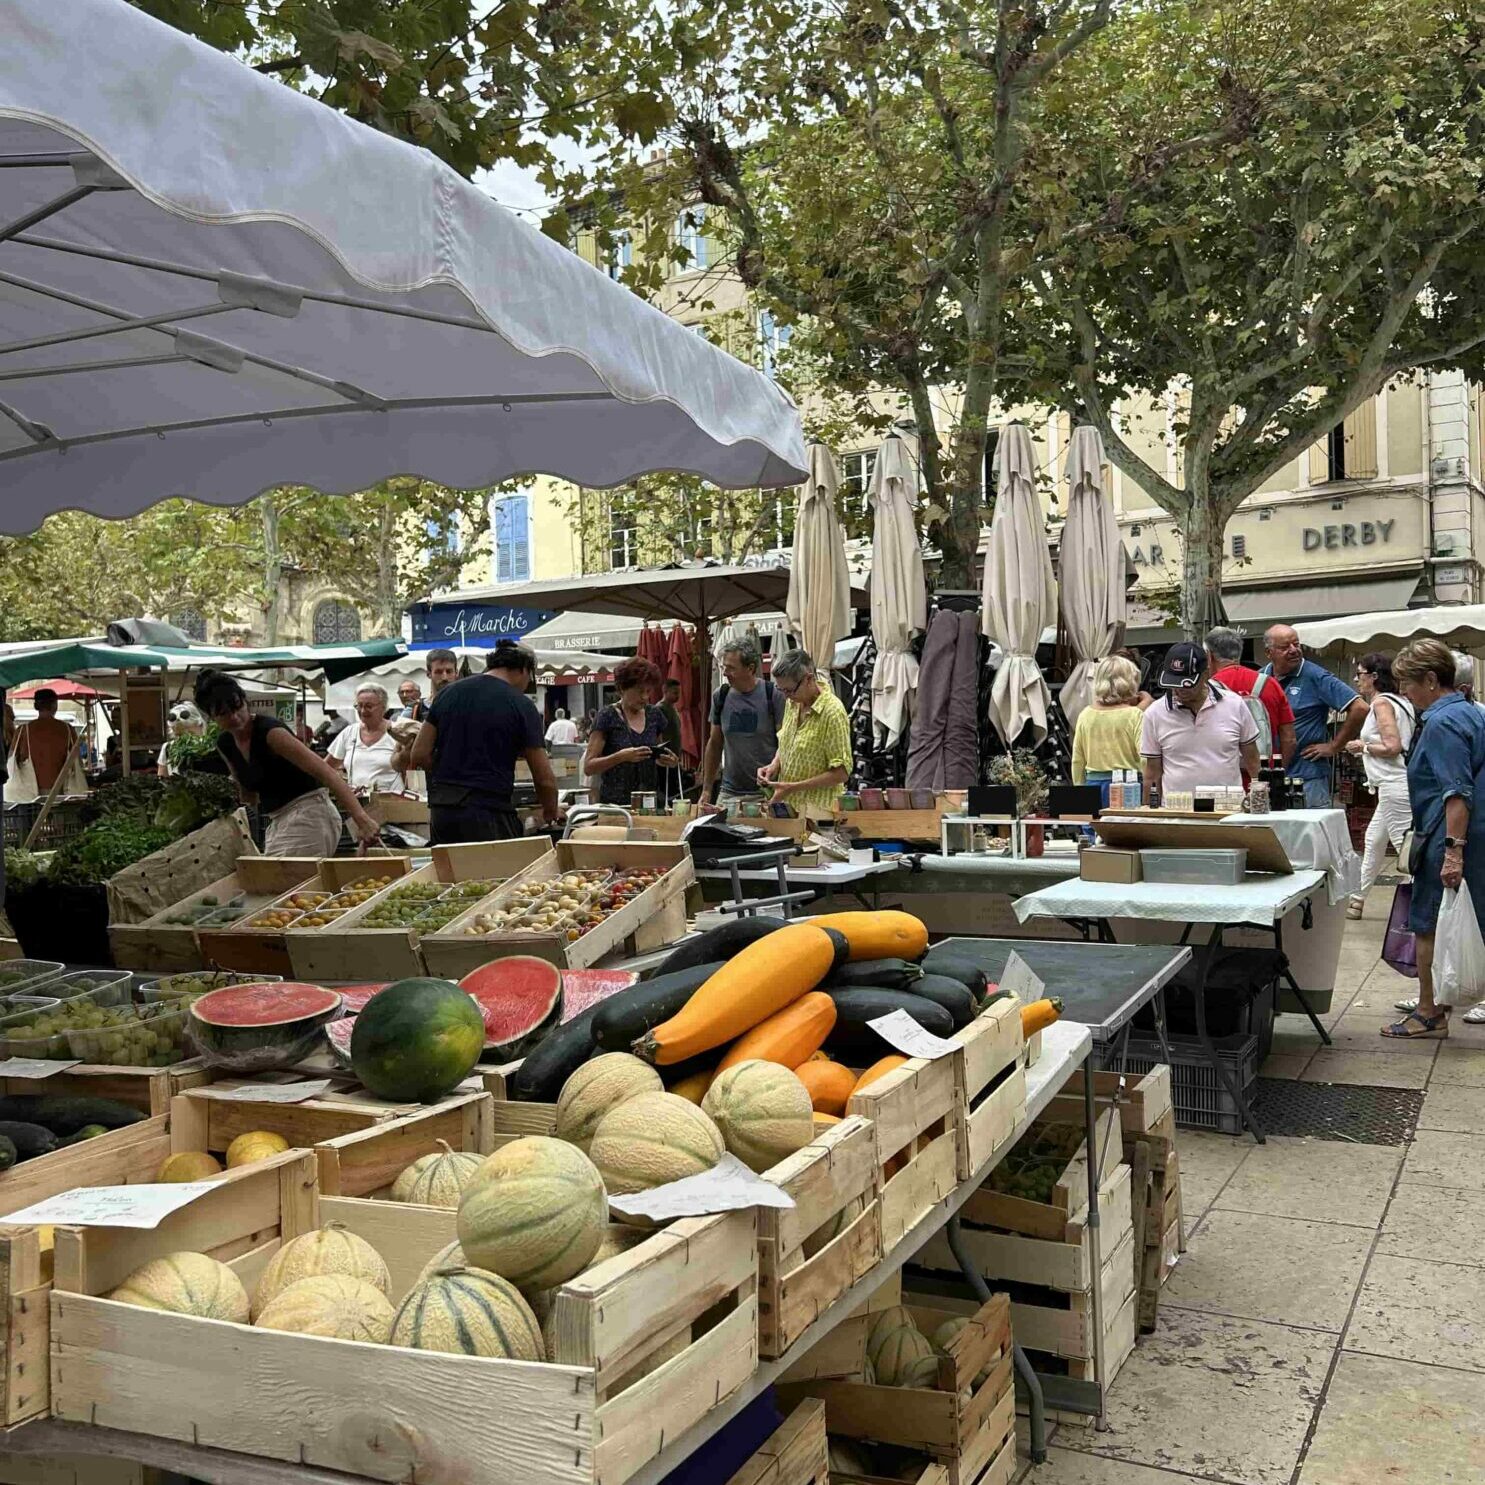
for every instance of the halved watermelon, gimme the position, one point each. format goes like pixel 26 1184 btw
pixel 520 998
pixel 354 997
pixel 338 1035
pixel 253 1028
pixel 584 988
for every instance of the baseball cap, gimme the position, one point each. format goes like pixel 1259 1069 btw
pixel 1185 664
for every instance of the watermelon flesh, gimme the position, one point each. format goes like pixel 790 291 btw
pixel 520 998
pixel 584 988
pixel 256 1028
pixel 354 997
pixel 338 1035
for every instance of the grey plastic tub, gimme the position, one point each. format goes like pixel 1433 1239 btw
pixel 1220 868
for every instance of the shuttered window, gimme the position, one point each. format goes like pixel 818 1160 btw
pixel 1350 451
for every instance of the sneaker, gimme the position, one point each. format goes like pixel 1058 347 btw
pixel 1476 1014
pixel 1354 909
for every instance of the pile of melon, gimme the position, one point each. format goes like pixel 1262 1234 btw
pixel 898 1354
pixel 201 1165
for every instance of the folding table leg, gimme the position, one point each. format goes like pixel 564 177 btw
pixel 1029 1379
pixel 1286 975
pixel 1204 955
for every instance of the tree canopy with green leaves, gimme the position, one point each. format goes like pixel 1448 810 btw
pixel 1320 238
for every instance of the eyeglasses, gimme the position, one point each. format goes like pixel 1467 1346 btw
pixel 786 691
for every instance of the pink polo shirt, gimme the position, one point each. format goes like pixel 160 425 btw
pixel 1200 748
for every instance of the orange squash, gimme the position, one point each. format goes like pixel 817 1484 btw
pixel 830 1085
pixel 789 1036
pixel 824 1121
pixel 1039 1015
pixel 693 1089
pixel 887 934
pixel 875 1071
pixel 761 979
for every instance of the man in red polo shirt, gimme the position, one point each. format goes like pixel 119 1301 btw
pixel 1224 657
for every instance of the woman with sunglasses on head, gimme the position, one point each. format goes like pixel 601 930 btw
pixel 289 783
pixel 1386 735
pixel 185 721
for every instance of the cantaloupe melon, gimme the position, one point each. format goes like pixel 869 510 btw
pixel 616 1239
pixel 187 1284
pixel 331 1249
pixel 885 1320
pixel 762 1110
pixel 535 1212
pixel 652 1140
pixel 438 1179
pixel 469 1312
pixel 897 1354
pixel 596 1088
pixel 335 1305
pixel 450 1257
pixel 189 1165
pixel 946 1332
pixel 255 1145
pixel 922 1372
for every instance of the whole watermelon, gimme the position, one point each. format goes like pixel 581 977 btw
pixel 417 1040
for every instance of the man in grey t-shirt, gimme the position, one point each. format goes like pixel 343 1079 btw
pixel 744 726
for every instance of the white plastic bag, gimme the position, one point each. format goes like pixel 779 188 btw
pixel 1458 951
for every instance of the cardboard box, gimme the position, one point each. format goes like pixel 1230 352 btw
pixel 1107 864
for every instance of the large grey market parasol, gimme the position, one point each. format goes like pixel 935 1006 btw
pixel 211 284
pixel 899 598
pixel 819 601
pixel 1090 569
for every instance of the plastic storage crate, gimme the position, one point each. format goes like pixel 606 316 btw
pixel 63 821
pixel 1200 1097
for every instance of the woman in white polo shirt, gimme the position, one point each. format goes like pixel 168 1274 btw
pixel 363 752
pixel 1199 733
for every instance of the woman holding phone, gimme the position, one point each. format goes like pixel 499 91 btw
pixel 627 740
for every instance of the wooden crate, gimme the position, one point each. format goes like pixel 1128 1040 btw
pixel 1143 1102
pixel 594 1415
pixel 970 1430
pixel 265 951
pixel 348 950
pixel 989 1085
pixel 912 1110
pixel 797 1452
pixel 148 1089
pixel 657 916
pixel 895 824
pixel 842 1352
pixel 167 948
pixel 362 1143
pixel 808 1256
pixel 74 1469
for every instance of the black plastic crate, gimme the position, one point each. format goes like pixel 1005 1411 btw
pixel 63 821
pixel 1200 1097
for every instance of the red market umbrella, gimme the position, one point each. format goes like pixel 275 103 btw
pixel 682 667
pixel 654 646
pixel 66 691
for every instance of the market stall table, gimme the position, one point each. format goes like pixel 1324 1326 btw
pixel 1261 900
pixel 1065 1047
pixel 829 876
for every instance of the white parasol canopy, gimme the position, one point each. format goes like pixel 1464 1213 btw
pixel 1459 624
pixel 1091 567
pixel 1020 595
pixel 899 597
pixel 211 284
pixel 819 602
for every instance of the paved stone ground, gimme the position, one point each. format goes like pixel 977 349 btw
pixel 1327 1323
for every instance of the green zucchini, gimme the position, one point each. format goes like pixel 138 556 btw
pixel 951 995
pixel 555 1058
pixel 29 1139
pixel 855 1008
pixel 66 1114
pixel 625 1017
pixel 966 971
pixel 876 974
pixel 716 944
pixel 8 1154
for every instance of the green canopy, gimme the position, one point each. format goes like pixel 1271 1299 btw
pixel 80 657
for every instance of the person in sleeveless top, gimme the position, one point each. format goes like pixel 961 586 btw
pixel 1386 736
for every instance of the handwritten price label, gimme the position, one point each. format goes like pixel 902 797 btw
pixel 113 1206
pixel 729 1186
pixel 900 1031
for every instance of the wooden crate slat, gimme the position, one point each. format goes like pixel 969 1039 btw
pixel 797 1452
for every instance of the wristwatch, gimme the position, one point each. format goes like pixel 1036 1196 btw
pixel 1454 843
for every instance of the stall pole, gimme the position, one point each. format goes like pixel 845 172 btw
pixel 124 722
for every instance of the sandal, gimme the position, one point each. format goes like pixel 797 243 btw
pixel 1412 1005
pixel 1435 1026
pixel 1354 909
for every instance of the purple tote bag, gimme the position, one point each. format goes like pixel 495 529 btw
pixel 1399 947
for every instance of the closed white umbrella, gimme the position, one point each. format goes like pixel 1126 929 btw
pixel 819 602
pixel 1020 596
pixel 211 284
pixel 899 598
pixel 1094 604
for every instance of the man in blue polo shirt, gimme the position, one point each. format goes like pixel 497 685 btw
pixel 1313 694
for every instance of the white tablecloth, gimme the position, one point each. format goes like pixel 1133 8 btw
pixel 1319 839
pixel 1260 899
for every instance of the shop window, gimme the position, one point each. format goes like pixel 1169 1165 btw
pixel 512 532
pixel 336 622
pixel 192 623
pixel 1348 452
pixel 623 532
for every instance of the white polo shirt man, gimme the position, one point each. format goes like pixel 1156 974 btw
pixel 1199 732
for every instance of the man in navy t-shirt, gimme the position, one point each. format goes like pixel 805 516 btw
pixel 476 730
pixel 1313 694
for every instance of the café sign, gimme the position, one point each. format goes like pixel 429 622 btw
pixel 475 624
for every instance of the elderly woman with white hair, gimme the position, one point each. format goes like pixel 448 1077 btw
pixel 1107 735
pixel 363 753
pixel 185 721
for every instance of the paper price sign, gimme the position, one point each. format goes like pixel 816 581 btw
pixel 271 1092
pixel 900 1031
pixel 35 1067
pixel 729 1186
pixel 1019 980
pixel 113 1206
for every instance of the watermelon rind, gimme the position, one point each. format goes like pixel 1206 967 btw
pixel 495 990
pixel 270 1040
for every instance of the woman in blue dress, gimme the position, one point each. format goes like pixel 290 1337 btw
pixel 1446 771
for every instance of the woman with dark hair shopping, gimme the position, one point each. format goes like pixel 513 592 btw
pixel 1382 747
pixel 290 784
pixel 628 737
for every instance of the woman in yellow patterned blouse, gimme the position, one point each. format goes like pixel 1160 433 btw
pixel 814 756
pixel 1107 735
